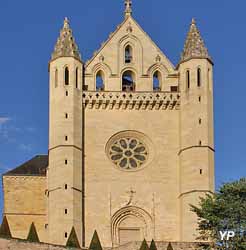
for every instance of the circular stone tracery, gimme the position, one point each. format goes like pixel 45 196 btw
pixel 128 153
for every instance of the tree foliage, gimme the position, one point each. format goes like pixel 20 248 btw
pixel 152 245
pixel 4 229
pixel 223 211
pixel 95 242
pixel 144 245
pixel 73 239
pixel 169 247
pixel 33 235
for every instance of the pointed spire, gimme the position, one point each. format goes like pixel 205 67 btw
pixel 128 10
pixel 194 45
pixel 66 45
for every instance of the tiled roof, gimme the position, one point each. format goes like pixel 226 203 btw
pixel 36 166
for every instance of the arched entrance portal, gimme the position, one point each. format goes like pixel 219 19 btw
pixel 130 224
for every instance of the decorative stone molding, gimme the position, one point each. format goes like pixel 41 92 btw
pixel 131 100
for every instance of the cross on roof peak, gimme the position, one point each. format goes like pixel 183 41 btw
pixel 128 9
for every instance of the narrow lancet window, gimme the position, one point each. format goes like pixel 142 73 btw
pixel 66 76
pixel 188 79
pixel 77 78
pixel 128 54
pixel 198 77
pixel 56 78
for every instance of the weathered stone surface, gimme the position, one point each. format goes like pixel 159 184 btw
pixel 89 187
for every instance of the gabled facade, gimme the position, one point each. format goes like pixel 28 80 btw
pixel 130 139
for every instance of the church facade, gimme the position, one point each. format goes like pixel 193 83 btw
pixel 131 143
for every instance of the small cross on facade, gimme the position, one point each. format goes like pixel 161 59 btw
pixel 131 193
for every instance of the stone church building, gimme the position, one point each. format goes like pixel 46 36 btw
pixel 131 143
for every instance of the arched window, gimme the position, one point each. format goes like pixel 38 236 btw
pixel 66 76
pixel 157 81
pixel 77 78
pixel 128 81
pixel 100 80
pixel 128 54
pixel 56 78
pixel 198 77
pixel 188 79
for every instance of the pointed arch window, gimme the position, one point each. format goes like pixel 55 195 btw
pixel 128 54
pixel 199 77
pixel 100 80
pixel 128 81
pixel 66 76
pixel 157 81
pixel 56 78
pixel 77 78
pixel 188 79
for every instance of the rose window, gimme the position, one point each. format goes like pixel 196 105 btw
pixel 128 153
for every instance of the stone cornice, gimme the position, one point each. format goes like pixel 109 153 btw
pixel 24 177
pixel 131 100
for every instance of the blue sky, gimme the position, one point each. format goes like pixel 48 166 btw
pixel 28 33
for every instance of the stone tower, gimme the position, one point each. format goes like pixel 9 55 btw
pixel 65 139
pixel 196 153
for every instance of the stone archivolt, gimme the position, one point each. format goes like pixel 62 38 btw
pixel 130 212
pixel 131 100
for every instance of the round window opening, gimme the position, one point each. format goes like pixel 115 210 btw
pixel 128 152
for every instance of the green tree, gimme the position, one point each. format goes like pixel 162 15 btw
pixel 4 229
pixel 33 235
pixel 73 239
pixel 169 247
pixel 225 210
pixel 95 242
pixel 144 245
pixel 152 245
